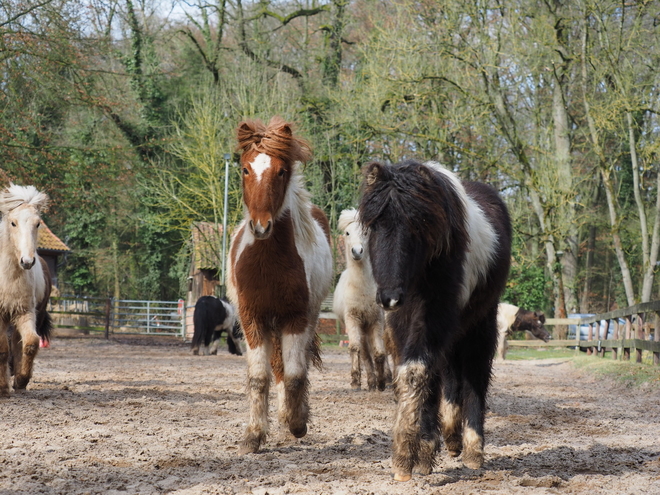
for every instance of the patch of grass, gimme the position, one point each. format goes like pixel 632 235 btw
pixel 523 353
pixel 627 373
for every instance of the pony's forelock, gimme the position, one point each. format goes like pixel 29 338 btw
pixel 14 196
pixel 276 140
pixel 346 218
pixel 425 201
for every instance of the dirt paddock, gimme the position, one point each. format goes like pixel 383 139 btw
pixel 109 417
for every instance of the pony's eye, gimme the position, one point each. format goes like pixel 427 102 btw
pixel 348 233
pixel 13 224
pixel 38 224
pixel 281 172
pixel 246 171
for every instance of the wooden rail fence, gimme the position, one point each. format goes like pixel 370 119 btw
pixel 639 332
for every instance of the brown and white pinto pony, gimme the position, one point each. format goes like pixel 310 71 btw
pixel 280 270
pixel 24 285
pixel 511 319
pixel 440 252
pixel 354 303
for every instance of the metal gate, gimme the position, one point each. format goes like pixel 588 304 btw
pixel 148 317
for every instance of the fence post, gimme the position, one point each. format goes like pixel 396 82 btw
pixel 626 350
pixel 656 338
pixel 639 334
pixel 590 336
pixel 615 337
pixel 107 318
pixel 183 322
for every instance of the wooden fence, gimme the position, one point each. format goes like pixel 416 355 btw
pixel 639 332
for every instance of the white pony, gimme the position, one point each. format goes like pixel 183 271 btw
pixel 355 306
pixel 25 286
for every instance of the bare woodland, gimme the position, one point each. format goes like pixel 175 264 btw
pixel 123 110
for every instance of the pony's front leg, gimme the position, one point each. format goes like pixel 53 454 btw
pixel 4 359
pixel 412 385
pixel 25 345
pixel 258 358
pixel 429 442
pixel 294 397
pixel 354 347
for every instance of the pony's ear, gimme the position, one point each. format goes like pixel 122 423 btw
pixel 425 173
pixel 249 132
pixel 40 202
pixel 374 172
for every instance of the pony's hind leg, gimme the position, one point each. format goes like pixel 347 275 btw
pixel 382 368
pixel 4 360
pixel 476 379
pixel 25 345
pixel 412 380
pixel 294 406
pixel 258 359
pixel 450 406
pixel 366 356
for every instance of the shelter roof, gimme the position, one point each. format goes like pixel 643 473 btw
pixel 48 241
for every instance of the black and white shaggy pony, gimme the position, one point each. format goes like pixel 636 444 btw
pixel 355 305
pixel 211 317
pixel 440 253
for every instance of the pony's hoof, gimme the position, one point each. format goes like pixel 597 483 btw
pixel 20 382
pixel 453 453
pixel 4 392
pixel 299 432
pixel 473 460
pixel 402 477
pixel 248 447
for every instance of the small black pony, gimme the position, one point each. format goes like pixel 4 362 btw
pixel 212 316
pixel 440 250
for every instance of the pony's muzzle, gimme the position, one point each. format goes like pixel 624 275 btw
pixel 27 263
pixel 259 231
pixel 389 299
pixel 357 252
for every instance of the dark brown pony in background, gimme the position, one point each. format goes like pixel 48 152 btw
pixel 280 270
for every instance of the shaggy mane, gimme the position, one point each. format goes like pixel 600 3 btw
pixel 14 196
pixel 276 140
pixel 424 200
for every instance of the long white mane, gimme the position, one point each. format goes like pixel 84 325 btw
pixel 14 196
pixel 298 202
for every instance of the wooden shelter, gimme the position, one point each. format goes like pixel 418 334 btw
pixel 50 248
pixel 206 260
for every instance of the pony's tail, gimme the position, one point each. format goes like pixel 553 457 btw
pixel 44 325
pixel 315 352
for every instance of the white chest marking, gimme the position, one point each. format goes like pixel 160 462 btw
pixel 260 164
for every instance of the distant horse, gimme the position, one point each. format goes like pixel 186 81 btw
pixel 511 319
pixel 24 285
pixel 211 317
pixel 354 303
pixel 440 252
pixel 280 270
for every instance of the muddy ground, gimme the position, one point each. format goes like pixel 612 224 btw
pixel 111 417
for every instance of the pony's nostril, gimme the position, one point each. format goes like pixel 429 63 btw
pixel 389 299
pixel 252 225
pixel 268 226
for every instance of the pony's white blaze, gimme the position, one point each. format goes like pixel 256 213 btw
pixel 260 164
pixel 483 238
